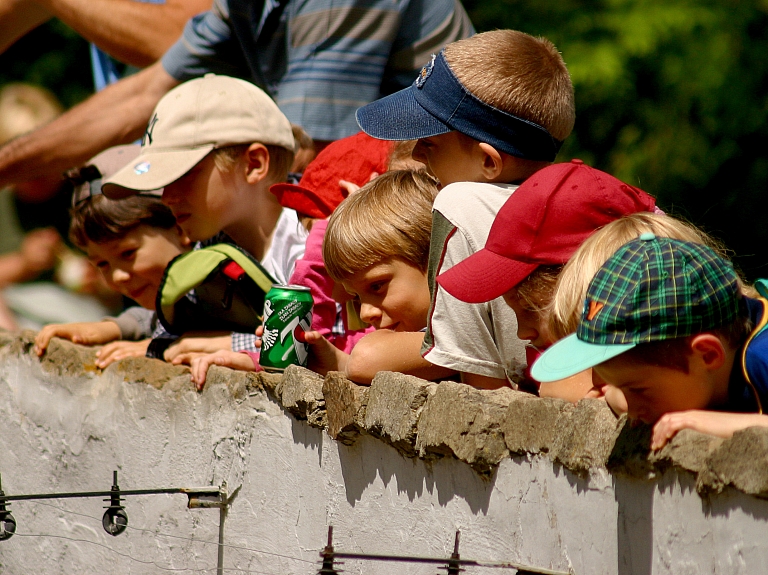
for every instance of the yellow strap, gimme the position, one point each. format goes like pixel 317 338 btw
pixel 758 328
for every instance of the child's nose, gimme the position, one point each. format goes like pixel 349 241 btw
pixel 527 331
pixel 370 314
pixel 119 276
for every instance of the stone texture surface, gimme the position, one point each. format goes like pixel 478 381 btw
pixel 301 393
pixel 531 423
pixel 585 436
pixel 465 422
pixel 64 358
pixel 345 407
pixel 738 462
pixel 154 372
pixel 688 450
pixel 431 420
pixel 395 403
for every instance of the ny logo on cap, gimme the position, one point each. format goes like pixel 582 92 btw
pixel 147 137
pixel 426 72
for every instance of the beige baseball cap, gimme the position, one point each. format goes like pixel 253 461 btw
pixel 194 118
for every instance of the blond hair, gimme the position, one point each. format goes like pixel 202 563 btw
pixel 390 216
pixel 25 107
pixel 280 160
pixel 519 74
pixel 564 312
pixel 400 157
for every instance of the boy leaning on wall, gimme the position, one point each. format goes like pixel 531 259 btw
pixel 488 112
pixel 666 323
pixel 216 144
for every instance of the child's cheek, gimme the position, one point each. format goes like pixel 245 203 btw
pixel 615 399
pixel 340 294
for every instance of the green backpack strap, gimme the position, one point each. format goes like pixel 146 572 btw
pixel 229 288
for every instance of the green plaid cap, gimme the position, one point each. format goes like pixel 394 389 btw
pixel 651 289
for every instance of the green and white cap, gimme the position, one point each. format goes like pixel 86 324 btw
pixel 651 289
pixel 194 118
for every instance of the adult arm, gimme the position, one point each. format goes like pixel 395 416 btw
pixel 17 17
pixel 116 115
pixel 385 350
pixel 131 31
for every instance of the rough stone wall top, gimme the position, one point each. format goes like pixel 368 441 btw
pixel 432 420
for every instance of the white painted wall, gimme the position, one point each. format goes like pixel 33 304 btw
pixel 69 434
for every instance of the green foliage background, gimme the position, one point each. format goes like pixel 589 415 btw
pixel 670 96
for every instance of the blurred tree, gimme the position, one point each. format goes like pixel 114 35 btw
pixel 670 96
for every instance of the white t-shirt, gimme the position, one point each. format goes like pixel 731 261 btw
pixel 472 338
pixel 288 244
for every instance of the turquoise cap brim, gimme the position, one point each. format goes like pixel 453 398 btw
pixel 570 356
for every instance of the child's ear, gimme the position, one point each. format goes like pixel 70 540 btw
pixel 257 163
pixel 492 162
pixel 709 349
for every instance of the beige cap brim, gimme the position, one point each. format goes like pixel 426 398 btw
pixel 153 170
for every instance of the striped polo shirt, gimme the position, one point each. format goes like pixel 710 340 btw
pixel 325 58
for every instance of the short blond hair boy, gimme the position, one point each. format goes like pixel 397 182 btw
pixel 389 217
pixel 528 78
pixel 376 246
pixel 504 88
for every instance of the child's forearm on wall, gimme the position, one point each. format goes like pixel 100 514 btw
pixel 717 423
pixel 385 350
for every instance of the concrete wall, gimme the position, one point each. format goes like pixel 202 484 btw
pixel 396 469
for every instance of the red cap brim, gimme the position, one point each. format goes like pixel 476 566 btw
pixel 304 201
pixel 484 276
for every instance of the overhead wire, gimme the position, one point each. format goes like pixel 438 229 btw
pixel 475 563
pixel 116 552
pixel 157 533
pixel 136 559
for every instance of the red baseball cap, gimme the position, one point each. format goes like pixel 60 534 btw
pixel 353 159
pixel 542 223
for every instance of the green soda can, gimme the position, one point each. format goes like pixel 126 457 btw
pixel 287 315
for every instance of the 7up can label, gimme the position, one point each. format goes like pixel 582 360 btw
pixel 287 315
